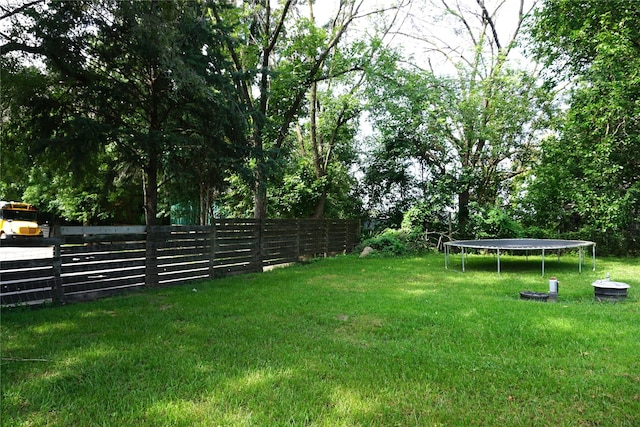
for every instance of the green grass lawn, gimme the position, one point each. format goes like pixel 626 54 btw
pixel 337 342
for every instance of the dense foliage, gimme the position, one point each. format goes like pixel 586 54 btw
pixel 129 89
pixel 128 111
pixel 587 183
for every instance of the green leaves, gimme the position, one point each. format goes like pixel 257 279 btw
pixel 592 167
pixel 148 80
pixel 468 135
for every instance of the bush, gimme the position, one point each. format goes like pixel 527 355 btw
pixel 388 242
pixel 494 223
pixel 421 223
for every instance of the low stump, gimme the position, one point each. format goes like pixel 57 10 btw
pixel 535 296
pixel 606 290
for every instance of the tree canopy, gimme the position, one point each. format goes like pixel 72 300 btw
pixel 589 174
pixel 438 112
pixel 143 83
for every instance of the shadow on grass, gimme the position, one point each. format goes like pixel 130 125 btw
pixel 343 342
pixel 516 263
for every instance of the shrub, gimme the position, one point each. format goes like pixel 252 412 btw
pixel 388 242
pixel 422 222
pixel 495 223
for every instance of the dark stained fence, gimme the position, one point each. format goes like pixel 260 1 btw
pixel 98 261
pixel 281 242
pixel 179 252
pixel 91 262
pixel 237 247
pixel 30 281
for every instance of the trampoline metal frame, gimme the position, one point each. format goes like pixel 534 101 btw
pixel 540 245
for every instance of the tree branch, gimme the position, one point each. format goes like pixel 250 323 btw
pixel 14 46
pixel 492 24
pixel 10 13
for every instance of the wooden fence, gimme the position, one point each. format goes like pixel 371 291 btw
pixel 90 262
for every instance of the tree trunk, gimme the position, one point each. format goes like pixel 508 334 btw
pixel 202 205
pixel 463 210
pixel 318 212
pixel 260 195
pixel 320 172
pixel 151 188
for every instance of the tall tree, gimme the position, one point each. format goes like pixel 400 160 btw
pixel 265 31
pixel 326 131
pixel 144 76
pixel 473 120
pixel 593 164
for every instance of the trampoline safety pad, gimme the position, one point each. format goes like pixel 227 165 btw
pixel 521 245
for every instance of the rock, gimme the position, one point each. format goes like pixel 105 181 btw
pixel 366 251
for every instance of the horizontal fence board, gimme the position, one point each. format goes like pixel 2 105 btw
pixel 83 258
pixel 224 253
pixel 191 243
pixel 103 239
pixel 284 229
pixel 168 263
pixel 26 275
pixel 93 276
pixel 227 228
pixel 178 278
pixel 30 242
pixel 239 235
pixel 185 270
pixel 25 286
pixel 192 265
pixel 279 249
pixel 236 221
pixel 280 260
pixel 101 266
pixel 200 243
pixel 24 264
pixel 40 296
pixel 91 285
pixel 106 230
pixel 279 238
pixel 234 257
pixel 182 252
pixel 232 261
pixel 103 247
pixel 290 257
pixel 241 239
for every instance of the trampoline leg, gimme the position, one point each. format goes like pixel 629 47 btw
pixel 463 260
pixel 446 257
pixel 543 263
pixel 580 259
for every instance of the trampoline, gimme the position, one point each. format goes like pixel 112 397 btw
pixel 521 245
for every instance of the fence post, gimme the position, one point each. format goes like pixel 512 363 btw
pixel 57 290
pixel 151 258
pixel 257 256
pixel 298 250
pixel 325 226
pixel 212 249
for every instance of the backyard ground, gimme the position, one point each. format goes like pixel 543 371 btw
pixel 337 342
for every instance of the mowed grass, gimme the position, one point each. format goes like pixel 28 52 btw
pixel 337 342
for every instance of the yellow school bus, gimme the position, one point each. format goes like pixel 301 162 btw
pixel 18 220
